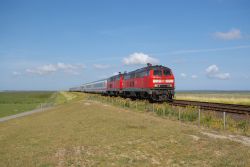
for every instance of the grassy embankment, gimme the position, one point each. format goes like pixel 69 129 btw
pixel 233 97
pixel 189 114
pixel 16 102
pixel 89 133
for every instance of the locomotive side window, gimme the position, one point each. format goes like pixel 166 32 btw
pixel 142 74
pixel 117 78
pixel 157 72
pixel 166 72
pixel 138 74
pixel 132 75
pixel 126 77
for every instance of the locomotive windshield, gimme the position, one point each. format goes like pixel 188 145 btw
pixel 158 72
pixel 161 72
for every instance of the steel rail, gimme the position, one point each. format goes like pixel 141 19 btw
pixel 221 107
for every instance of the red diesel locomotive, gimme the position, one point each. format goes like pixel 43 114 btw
pixel 156 83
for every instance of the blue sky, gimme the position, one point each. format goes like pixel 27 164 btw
pixel 49 44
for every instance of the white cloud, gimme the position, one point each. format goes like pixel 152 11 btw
pixel 52 68
pixel 42 70
pixel 213 69
pixel 194 76
pixel 15 73
pixel 230 35
pixel 183 75
pixel 214 72
pixel 101 66
pixel 64 66
pixel 115 73
pixel 139 58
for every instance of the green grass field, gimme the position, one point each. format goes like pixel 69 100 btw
pixel 17 102
pixel 231 97
pixel 88 133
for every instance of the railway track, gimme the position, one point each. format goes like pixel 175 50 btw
pixel 220 107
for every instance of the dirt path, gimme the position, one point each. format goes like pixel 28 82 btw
pixel 23 114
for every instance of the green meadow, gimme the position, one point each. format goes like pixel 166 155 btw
pixel 17 102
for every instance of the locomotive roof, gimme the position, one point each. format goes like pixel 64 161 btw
pixel 148 67
pixel 139 70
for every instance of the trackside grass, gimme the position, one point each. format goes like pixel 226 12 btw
pixel 189 114
pixel 83 132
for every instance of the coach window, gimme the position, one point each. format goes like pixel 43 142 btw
pixel 157 73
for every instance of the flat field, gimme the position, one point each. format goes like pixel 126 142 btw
pixel 230 97
pixel 17 102
pixel 88 133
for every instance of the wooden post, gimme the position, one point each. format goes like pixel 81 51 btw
pixel 224 120
pixel 136 105
pixel 153 107
pixel 199 116
pixel 179 114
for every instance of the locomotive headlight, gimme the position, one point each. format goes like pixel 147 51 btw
pixel 156 81
pixel 169 81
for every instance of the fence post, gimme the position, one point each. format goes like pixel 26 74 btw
pixel 199 116
pixel 153 107
pixel 179 116
pixel 224 120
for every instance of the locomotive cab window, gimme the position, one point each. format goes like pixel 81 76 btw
pixel 167 72
pixel 157 73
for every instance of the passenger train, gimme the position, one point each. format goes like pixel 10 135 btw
pixel 156 83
